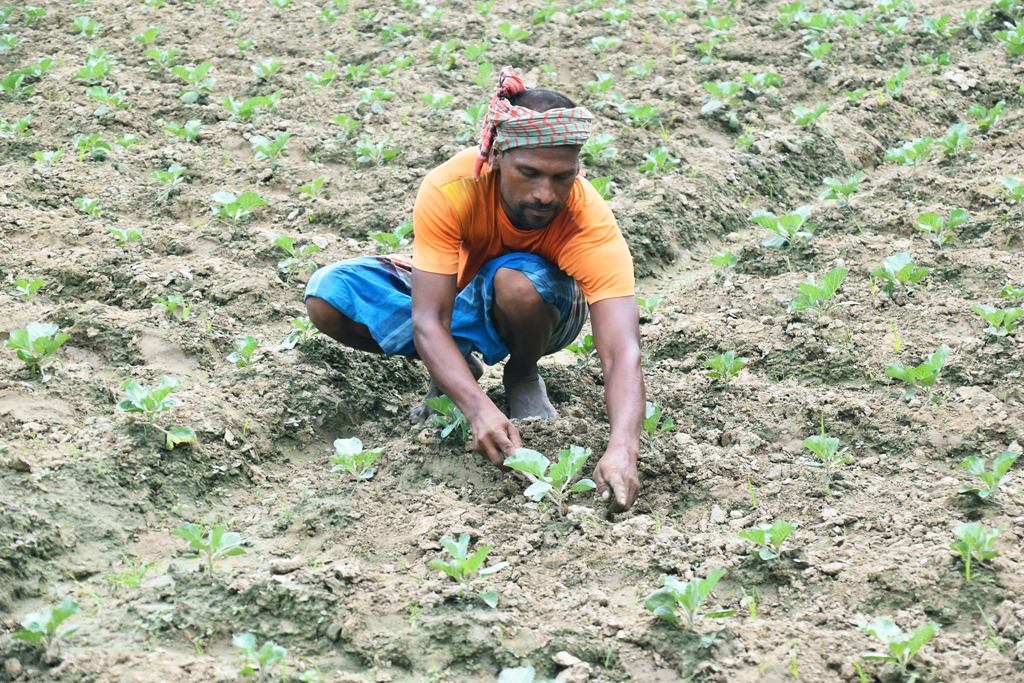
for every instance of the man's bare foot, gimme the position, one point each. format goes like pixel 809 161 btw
pixel 528 398
pixel 422 412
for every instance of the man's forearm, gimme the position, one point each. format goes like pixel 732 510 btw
pixel 626 400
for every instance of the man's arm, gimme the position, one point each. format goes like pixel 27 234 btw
pixel 616 326
pixel 433 299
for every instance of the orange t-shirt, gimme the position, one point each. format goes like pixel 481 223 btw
pixel 460 225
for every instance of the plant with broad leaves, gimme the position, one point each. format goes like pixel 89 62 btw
pixel 802 116
pixel 652 426
pixel 462 566
pixel 298 259
pixel 657 161
pixel 47 158
pixel 320 83
pixel 36 345
pixel 211 544
pixel 34 13
pixel 640 116
pixel 902 646
pixel 186 133
pixel 975 542
pixel 92 145
pixel 246 109
pixel 198 82
pixel 553 481
pixel 924 375
pixel 955 141
pixel 617 15
pixel 303 332
pixel 235 209
pixel 374 98
pixel 438 102
pixel 260 661
pixel 603 186
pixel 758 84
pixel 447 416
pixel 313 190
pixel 1013 190
pixel 900 270
pixel 771 538
pixel 910 153
pixel 44 626
pixel 827 450
pixel 789 230
pixel 939 26
pixel 150 402
pixel 266 69
pixel 390 242
pixel 124 238
pixel 394 33
pixel 1012 38
pixel 172 303
pixel 720 94
pixel 894 84
pixel 87 27
pixel 473 117
pixel 147 37
pixel 990 481
pixel 725 260
pixel 475 53
pixel 162 59
pixel 841 191
pixel 483 78
pixel 642 70
pixel 822 299
pixel 816 53
pixel 1000 321
pixel 601 44
pixel 347 123
pixel 584 349
pixel 14 85
pixel 987 117
pixel 602 88
pixel 263 148
pixel 513 32
pixel 687 598
pixel 171 178
pixel 597 149
pixel 1014 293
pixel 671 16
pixel 934 62
pixel 520 674
pixel 933 224
pixel 725 367
pixel 444 55
pixel 19 130
pixel 95 70
pixel 375 153
pixel 27 288
pixel 708 49
pixel 974 19
pixel 649 305
pixel 107 101
pixel 350 457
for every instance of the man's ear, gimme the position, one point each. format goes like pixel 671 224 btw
pixel 495 161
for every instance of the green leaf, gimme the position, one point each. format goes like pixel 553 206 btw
pixel 583 485
pixel 490 598
pixel 178 435
pixel 537 490
pixel 529 461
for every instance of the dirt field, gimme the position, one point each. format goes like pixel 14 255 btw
pixel 341 580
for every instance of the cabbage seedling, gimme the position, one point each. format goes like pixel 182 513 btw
pixel 771 537
pixel 89 206
pixel 266 69
pixel 513 32
pixel 14 85
pixel 816 53
pixel 445 54
pixel 841 191
pixel 262 660
pixel 553 483
pixel 720 94
pixel 218 543
pixel 475 53
pixel 1013 190
pixel 44 626
pixel 34 13
pixel 1016 294
pixel 198 83
pixel 248 108
pixel 725 367
pixel 934 62
pixel 390 242
pixel 975 542
pixel 150 402
pixel 91 144
pixel 314 189
pixel 464 567
pixel 18 130
pixel 347 123
pixel 584 349
pixel 305 330
pixel 162 59
pixel 603 186
pixel 894 84
pixel 263 148
pixel 933 224
pixel 902 646
pixel 187 133
pixel 641 116
pixel 790 229
pixel 651 429
pixel 602 88
pixel 827 450
pixel 649 305
pixel 171 178
pixel 472 116
pixel 483 78
pixel 642 70
pixel 243 357
pixel 235 209
pixel 820 299
pixel 656 162
pixel 759 83
pixel 991 481
pixel 320 83
pixel 147 37
pixel 87 27
pixel 1012 38
pixel 350 457
pixel 1000 321
pixel 27 288
pixel 124 238
pixel 724 260
pixel 298 259
pixel 36 345
pixel 675 596
pixel 172 303
pixel 926 374
pixel 438 102
pixel 616 15
pixel 47 158
pixel 939 26
pixel 910 153
pixel 987 117
pixel 899 270
pixel 377 153
pixel 126 140
pixel 597 149
pixel 802 116
pixel 448 417
pixel 392 33
pixel 600 44
pixel 708 48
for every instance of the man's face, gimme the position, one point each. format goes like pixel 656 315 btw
pixel 535 183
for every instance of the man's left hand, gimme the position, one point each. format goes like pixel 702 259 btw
pixel 616 479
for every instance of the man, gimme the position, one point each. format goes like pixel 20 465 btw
pixel 511 245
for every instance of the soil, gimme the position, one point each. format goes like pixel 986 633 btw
pixel 340 578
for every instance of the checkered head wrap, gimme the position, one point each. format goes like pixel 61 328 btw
pixel 507 126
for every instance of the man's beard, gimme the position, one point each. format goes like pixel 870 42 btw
pixel 525 220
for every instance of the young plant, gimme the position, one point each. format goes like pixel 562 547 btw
pixel 939 26
pixel 313 190
pixel 133 576
pixel 934 62
pixel 651 427
pixel 148 37
pixel 243 356
pixel 483 78
pixel 552 480
pixel 720 94
pixel 172 303
pixel 262 660
pixel 320 83
pixel 265 69
pixel 902 646
pixel 444 55
pixel 602 88
pixel 725 260
pixel 124 238
pixel 600 44
pixel 894 84
pixel 298 259
pixel 725 367
pixel 150 402
pixel 1016 294
pixel 1013 190
pixel 263 148
pixel 107 101
pixel 987 117
pixel 640 116
pixel 27 288
pixel 708 49
pixel 820 299
pixel 597 149
pixel 44 626
pixel 87 27
pixel 350 457
pixel 649 305
pixel 198 82
pixel 584 349
pixel 955 141
pixel 789 230
pixel 687 598
pixel 438 102
pixel 975 542
pixel 923 375
pixel 771 538
pixel 827 450
pixel 899 270
pixel 603 186
pixel 642 70
pixel 802 116
pixel 990 481
pixel 162 59
pixel 513 32
pixel 19 130
pixel 448 417
pixel 933 224
pixel 246 109
pixel 36 345
pixel 1012 38
pixel 390 242
pixel 218 543
pixel 376 153
pixel 347 123
pixel 473 117
pixel 303 332
pixel 841 191
pixel 235 209
pixel 1000 321
pixel 462 566
pixel 171 178
pixel 14 85
pixel 758 84
pixel 816 53
pixel 89 206
pixel 47 158
pixel 92 145
pixel 657 161
pixel 910 153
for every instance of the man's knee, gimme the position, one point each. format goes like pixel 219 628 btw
pixel 322 314
pixel 517 298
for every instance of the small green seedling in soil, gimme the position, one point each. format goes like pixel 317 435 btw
pixel 36 345
pixel 671 16
pixel 553 483
pixel 939 26
pixel 171 178
pixel 14 85
pixel 347 123
pixel 320 83
pixel 603 186
pixel 617 15
pixel 147 37
pixel 265 70
pixel 475 53
pixel 235 209
pixel 245 348
pixel 34 13
pixel 640 116
pixel 448 417
pixel 162 59
pixel 303 332
pixel 186 133
pixel 649 305
pixel 956 140
pixel 758 84
pixel 975 543
pixel 483 78
pixel 199 84
pixel 392 33
pixel 462 566
pixel 841 191
pixel 721 94
pixel 656 162
pixel 1000 321
pixel 602 88
pixel 44 626
pixel 910 153
pixel 820 299
pixel 651 429
pixel 27 288
pixel 94 71
pixel 600 44
pixel 925 374
pixel 390 242
pixel 375 153
pixel 894 84
pixel 150 402
pixel 19 130
pixel 520 674
pixel 771 537
pixel 990 481
pixel 933 224
pixel 438 102
pixel 133 576
pixel 263 148
pixel 87 27
pixel 987 117
pixel 513 32
pixel 314 189
pixel 473 117
pixel 246 109
pixel 596 150
pixel 707 49
pixel 687 598
pixel 124 238
pixel 725 260
pixel 126 140
pixel 298 259
pixel 1012 38
pixel 827 450
pixel 1016 294
pixel 350 457
pixel 934 62
pixel 444 55
pixel 91 145
pixel 725 367
pixel 218 543
pixel 262 660
pixel 802 116
pixel 1013 190
pixel 642 70
pixel 816 53
pixel 47 158
pixel 584 349
pixel 172 303
pixel 89 206
pixel 790 230
pixel 902 646
pixel 899 270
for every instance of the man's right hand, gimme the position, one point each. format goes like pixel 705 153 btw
pixel 494 435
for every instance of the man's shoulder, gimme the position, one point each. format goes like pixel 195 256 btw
pixel 459 167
